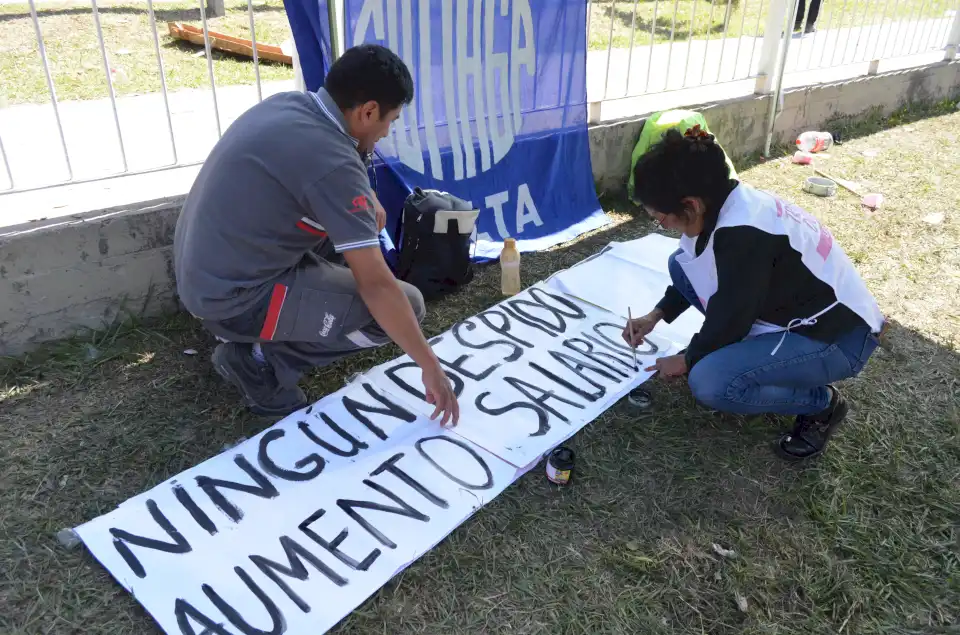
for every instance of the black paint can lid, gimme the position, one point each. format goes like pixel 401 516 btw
pixel 640 398
pixel 562 458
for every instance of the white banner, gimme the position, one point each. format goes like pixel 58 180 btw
pixel 529 372
pixel 291 530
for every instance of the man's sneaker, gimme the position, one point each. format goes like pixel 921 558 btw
pixel 261 392
pixel 812 432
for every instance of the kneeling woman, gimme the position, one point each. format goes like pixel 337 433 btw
pixel 786 313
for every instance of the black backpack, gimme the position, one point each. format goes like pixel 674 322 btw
pixel 435 259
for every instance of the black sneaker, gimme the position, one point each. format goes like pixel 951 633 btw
pixel 261 393
pixel 812 432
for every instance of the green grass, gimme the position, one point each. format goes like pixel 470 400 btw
pixel 76 64
pixel 702 19
pixel 864 541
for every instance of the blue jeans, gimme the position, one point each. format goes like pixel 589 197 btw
pixel 744 378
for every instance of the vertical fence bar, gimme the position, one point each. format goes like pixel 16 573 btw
pixel 945 29
pixel 653 36
pixel 6 164
pixel 953 39
pixel 673 34
pixel 932 35
pixel 856 46
pixel 606 77
pixel 928 29
pixel 108 73
pixel 53 92
pixel 743 21
pixel 912 37
pixel 883 19
pixel 843 12
pixel 213 82
pixel 896 37
pixel 256 56
pixel 723 45
pixel 918 30
pixel 826 38
pixel 853 18
pixel 693 24
pixel 633 33
pixel 163 80
pixel 756 34
pixel 706 45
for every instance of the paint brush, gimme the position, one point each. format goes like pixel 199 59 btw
pixel 636 364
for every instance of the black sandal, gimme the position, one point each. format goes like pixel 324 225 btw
pixel 812 432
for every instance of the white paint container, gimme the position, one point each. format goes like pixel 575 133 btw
pixel 820 186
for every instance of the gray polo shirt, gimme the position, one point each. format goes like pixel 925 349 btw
pixel 283 179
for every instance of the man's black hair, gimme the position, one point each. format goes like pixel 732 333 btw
pixel 369 72
pixel 679 167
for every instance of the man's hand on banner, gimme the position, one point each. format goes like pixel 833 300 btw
pixel 440 395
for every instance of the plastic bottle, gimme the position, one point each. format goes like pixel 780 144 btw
pixel 814 141
pixel 510 268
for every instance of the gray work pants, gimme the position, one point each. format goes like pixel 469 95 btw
pixel 312 317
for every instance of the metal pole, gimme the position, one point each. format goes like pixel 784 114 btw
pixel 334 21
pixel 686 62
pixel 723 45
pixel 213 83
pixel 633 33
pixel 706 43
pixel 743 21
pixel 163 80
pixel 113 96
pixel 775 97
pixel 673 34
pixel 653 35
pixel 756 34
pixel 53 92
pixel 256 56
pixel 606 77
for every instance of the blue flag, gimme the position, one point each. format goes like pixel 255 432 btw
pixel 500 113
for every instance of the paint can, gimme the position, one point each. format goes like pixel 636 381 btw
pixel 560 465
pixel 640 399
pixel 820 186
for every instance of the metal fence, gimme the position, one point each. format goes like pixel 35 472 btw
pixel 639 48
pixel 121 134
pixel 636 48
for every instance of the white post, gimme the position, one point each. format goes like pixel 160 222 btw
pixel 953 41
pixel 772 38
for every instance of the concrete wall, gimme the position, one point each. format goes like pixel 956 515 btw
pixel 57 278
pixel 741 124
pixel 60 277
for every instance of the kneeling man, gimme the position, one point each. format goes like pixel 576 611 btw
pixel 282 199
